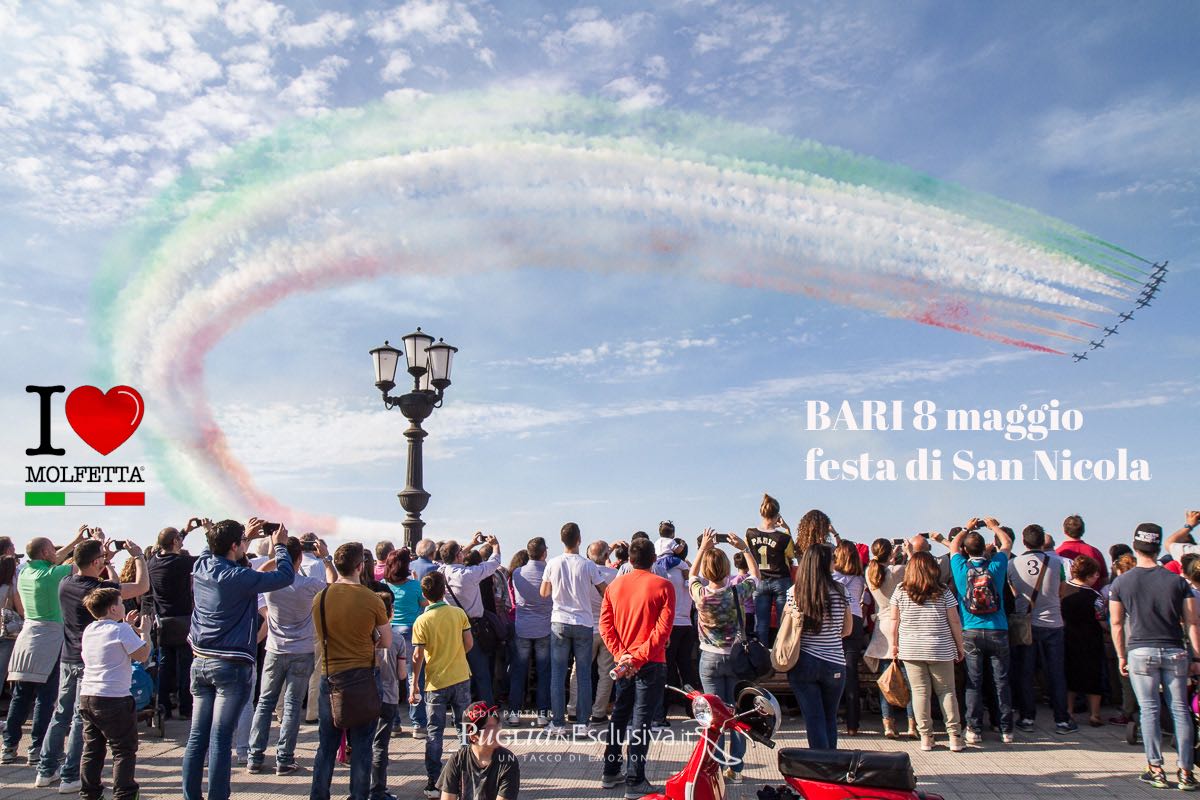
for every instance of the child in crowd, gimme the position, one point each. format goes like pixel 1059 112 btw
pixel 110 645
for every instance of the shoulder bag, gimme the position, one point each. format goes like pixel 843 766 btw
pixel 1020 624
pixel 488 632
pixel 353 694
pixel 751 659
pixel 786 650
pixel 11 622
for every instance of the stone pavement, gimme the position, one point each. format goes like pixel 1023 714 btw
pixel 1094 763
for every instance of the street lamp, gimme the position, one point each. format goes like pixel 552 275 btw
pixel 429 365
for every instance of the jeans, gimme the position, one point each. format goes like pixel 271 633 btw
pixel 220 688
pixel 65 728
pixel 567 640
pixel 770 591
pixel 928 679
pixel 604 684
pixel 110 721
pixel 717 677
pixel 522 649
pixel 329 739
pixel 285 673
pixel 416 712
pixel 817 685
pixel 481 674
pixel 629 726
pixel 26 697
pixel 1150 667
pixel 888 711
pixel 1049 648
pixel 379 749
pixel 682 655
pixel 454 698
pixel 241 732
pixel 982 646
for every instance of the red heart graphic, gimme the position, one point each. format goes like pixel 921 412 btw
pixel 104 420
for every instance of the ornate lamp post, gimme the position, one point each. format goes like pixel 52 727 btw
pixel 429 365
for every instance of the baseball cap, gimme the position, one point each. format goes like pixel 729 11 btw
pixel 477 713
pixel 1147 538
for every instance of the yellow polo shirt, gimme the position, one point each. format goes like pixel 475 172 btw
pixel 440 628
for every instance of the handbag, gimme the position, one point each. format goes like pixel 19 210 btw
pixel 786 650
pixel 1020 624
pixel 11 622
pixel 488 631
pixel 353 694
pixel 750 657
pixel 893 686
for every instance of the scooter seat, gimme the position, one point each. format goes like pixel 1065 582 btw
pixel 849 767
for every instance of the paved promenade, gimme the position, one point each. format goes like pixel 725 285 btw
pixel 1094 763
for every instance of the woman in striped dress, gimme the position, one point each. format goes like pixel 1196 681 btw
pixel 819 676
pixel 927 637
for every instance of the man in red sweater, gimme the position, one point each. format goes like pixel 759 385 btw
pixel 636 616
pixel 1074 546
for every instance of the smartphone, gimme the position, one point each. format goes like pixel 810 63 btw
pixel 898 542
pixel 270 528
pixel 722 538
pixel 118 544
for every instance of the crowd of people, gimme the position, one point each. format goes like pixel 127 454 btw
pixel 264 630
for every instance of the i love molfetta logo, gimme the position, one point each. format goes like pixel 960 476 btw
pixel 103 421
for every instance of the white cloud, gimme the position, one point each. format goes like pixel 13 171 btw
pixel 635 96
pixel 1130 136
pixel 133 98
pixel 399 62
pixel 707 42
pixel 437 21
pixel 328 29
pixel 656 67
pixel 245 17
pixel 594 33
pixel 308 91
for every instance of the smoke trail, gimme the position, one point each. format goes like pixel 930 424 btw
pixel 498 180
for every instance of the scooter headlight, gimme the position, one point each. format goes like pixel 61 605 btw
pixel 702 711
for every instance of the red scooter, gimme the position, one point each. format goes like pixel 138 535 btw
pixel 809 774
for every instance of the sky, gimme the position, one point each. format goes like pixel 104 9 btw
pixel 593 383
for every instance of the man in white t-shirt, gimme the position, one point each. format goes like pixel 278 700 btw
pixel 598 554
pixel 108 647
pixel 571 580
pixel 1181 543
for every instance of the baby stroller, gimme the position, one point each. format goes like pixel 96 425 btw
pixel 145 684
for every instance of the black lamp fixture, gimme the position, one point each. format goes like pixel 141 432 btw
pixel 429 365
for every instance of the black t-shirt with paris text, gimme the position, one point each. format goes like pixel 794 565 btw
pixel 773 550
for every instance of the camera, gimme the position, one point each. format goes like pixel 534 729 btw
pixel 270 528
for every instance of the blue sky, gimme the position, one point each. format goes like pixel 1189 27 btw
pixel 617 400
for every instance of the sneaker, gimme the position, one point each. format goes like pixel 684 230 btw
pixel 254 767
pixel 612 781
pixel 431 791
pixel 287 769
pixel 1026 725
pixel 732 776
pixel 33 759
pixel 957 745
pixel 1186 781
pixel 512 718
pixel 1007 738
pixel 579 731
pixel 8 756
pixel 1155 777
pixel 239 760
pixel 554 729
pixel 420 733
pixel 597 720
pixel 926 743
pixel 70 787
pixel 543 719
pixel 46 780
pixel 1065 728
pixel 974 737
pixel 639 790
